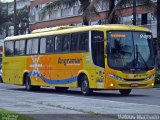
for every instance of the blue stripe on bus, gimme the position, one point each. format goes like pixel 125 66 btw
pixel 55 82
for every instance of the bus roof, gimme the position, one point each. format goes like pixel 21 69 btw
pixel 73 29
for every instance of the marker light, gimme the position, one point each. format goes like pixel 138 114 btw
pixel 111 85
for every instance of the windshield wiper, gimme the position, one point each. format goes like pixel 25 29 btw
pixel 138 53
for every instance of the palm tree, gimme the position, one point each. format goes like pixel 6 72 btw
pixel 122 4
pixel 84 8
pixel 90 8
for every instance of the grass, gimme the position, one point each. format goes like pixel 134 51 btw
pixel 7 115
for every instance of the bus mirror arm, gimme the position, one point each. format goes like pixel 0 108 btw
pixel 108 49
pixel 155 47
pixel 155 52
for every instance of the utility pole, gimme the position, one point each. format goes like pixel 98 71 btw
pixel 7 24
pixel 134 13
pixel 15 17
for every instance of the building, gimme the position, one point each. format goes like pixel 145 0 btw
pixel 58 17
pixel 70 16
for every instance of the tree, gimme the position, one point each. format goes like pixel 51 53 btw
pixel 5 19
pixel 23 20
pixel 123 4
pixel 90 8
pixel 87 8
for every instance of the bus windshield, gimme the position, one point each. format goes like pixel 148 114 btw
pixel 130 50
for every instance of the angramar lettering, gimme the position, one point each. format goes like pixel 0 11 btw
pixel 75 61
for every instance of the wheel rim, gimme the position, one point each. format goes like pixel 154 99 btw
pixel 84 87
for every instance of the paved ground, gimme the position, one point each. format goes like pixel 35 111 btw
pixel 69 105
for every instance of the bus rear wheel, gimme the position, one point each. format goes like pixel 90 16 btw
pixel 85 86
pixel 125 91
pixel 28 85
pixel 62 88
pixel 1 80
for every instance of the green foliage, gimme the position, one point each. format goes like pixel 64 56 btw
pixel 5 19
pixel 23 20
pixel 87 8
pixel 7 115
pixel 123 4
pixel 90 8
pixel 58 4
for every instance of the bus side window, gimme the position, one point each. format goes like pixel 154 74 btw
pixel 22 47
pixel 19 48
pixel 50 45
pixel 74 42
pixel 32 46
pixel 66 43
pixel 43 45
pixel 9 48
pixel 16 47
pixel 58 43
pixel 83 41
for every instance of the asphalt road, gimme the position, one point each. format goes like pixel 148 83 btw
pixel 49 101
pixel 139 96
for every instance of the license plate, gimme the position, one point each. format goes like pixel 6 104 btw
pixel 134 85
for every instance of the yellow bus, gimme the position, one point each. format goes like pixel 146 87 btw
pixel 100 57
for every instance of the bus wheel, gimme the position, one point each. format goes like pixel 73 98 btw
pixel 28 85
pixel 125 91
pixel 62 88
pixel 85 86
pixel 1 80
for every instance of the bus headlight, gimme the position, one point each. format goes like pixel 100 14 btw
pixel 150 77
pixel 115 77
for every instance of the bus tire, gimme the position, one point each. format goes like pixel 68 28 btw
pixel 28 84
pixel 1 80
pixel 61 88
pixel 85 86
pixel 125 92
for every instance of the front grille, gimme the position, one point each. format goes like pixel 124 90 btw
pixel 134 80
